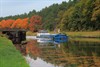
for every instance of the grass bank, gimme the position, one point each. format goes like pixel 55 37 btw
pixel 84 34
pixel 92 36
pixel 9 56
pixel 29 33
pixel 85 39
pixel 81 33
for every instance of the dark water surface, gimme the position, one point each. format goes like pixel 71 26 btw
pixel 70 54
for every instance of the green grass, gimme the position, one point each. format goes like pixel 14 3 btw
pixel 90 33
pixel 29 33
pixel 86 39
pixel 87 34
pixel 9 56
pixel 81 33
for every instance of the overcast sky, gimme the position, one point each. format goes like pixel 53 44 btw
pixel 14 7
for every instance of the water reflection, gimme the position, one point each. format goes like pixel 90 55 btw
pixel 70 54
pixel 38 62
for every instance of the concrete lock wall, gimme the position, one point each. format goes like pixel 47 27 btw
pixel 16 36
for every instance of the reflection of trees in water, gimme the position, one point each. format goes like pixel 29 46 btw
pixel 84 48
pixel 32 49
pixel 84 54
pixel 54 56
pixel 72 54
pixel 29 48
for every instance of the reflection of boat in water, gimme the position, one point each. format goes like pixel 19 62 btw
pixel 45 37
pixel 44 41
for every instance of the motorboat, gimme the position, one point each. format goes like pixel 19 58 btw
pixel 42 32
pixel 44 37
pixel 60 38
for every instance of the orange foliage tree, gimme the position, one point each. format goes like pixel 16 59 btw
pixel 3 23
pixel 35 22
pixel 17 23
pixel 0 25
pixel 24 24
pixel 6 23
pixel 9 23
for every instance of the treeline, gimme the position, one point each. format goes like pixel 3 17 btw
pixel 74 15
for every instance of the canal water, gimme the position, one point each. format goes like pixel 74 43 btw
pixel 69 54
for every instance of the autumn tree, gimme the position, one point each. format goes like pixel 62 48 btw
pixel 17 23
pixel 20 23
pixel 0 24
pixel 9 23
pixel 35 22
pixel 3 23
pixel 24 24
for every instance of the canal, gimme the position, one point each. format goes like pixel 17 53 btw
pixel 69 54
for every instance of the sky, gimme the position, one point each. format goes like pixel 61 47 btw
pixel 15 7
